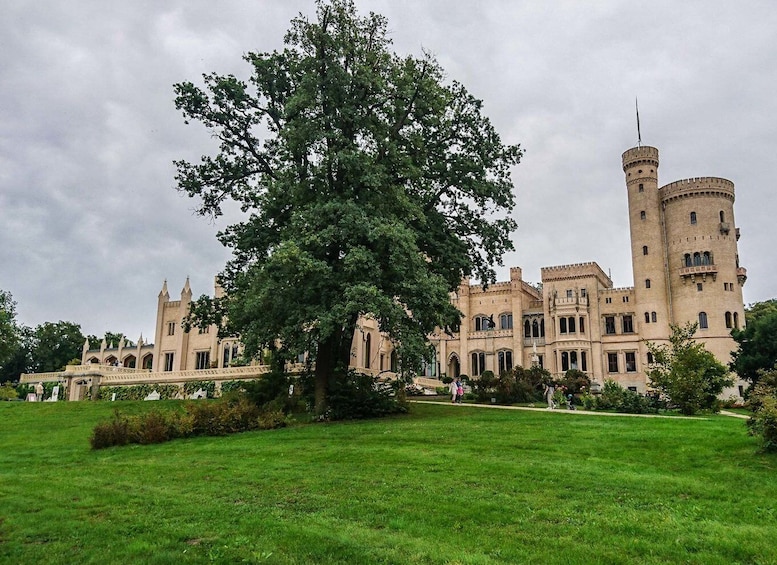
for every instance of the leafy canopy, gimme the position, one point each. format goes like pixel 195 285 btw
pixel 369 186
pixel 684 371
pixel 757 342
pixel 9 329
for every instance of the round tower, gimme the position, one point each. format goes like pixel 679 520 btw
pixel 648 249
pixel 705 277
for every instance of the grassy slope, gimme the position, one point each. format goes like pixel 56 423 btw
pixel 447 484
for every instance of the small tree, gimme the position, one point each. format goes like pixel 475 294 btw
pixel 684 371
pixel 757 341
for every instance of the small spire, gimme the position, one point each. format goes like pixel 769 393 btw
pixel 186 288
pixel 164 292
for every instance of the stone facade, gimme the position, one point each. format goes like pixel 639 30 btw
pixel 686 268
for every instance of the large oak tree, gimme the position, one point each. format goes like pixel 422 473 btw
pixel 370 186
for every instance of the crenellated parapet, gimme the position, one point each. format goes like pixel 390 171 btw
pixel 575 271
pixel 640 155
pixel 698 186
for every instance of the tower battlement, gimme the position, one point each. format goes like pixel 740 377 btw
pixel 698 185
pixel 638 155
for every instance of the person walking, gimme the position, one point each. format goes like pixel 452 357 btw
pixel 550 390
pixel 454 390
pixel 459 391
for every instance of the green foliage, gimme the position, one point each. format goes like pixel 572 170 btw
pixel 54 344
pixel 520 385
pixel 9 329
pixel 272 388
pixel 206 418
pixel 111 339
pixel 763 402
pixel 356 395
pixel 616 398
pixel 686 373
pixel 376 188
pixel 190 387
pixel 575 382
pixel 757 342
pixel 139 392
pixel 8 392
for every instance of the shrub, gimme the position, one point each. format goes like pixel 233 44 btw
pixel 8 392
pixel 615 397
pixel 113 432
pixel 575 382
pixel 271 419
pixel 763 401
pixel 270 387
pixel 356 396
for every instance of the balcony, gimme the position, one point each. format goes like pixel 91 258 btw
pixel 701 271
pixel 741 275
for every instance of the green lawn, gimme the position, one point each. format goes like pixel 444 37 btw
pixel 446 484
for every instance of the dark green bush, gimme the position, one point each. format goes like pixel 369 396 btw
pixel 356 396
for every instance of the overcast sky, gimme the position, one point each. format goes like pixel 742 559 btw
pixel 90 221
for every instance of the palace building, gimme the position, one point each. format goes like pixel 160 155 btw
pixel 686 269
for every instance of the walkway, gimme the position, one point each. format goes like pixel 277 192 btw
pixel 577 411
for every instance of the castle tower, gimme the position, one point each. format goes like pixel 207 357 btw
pixel 704 273
pixel 652 309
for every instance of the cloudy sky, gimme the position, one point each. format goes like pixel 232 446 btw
pixel 90 221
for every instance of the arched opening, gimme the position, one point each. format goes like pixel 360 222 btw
pixel 148 361
pixel 454 367
pixel 130 361
pixel 703 321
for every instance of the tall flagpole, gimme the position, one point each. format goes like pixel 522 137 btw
pixel 639 134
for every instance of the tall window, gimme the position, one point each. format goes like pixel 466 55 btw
pixel 628 325
pixel 583 362
pixel 647 283
pixel 653 316
pixel 506 322
pixel 642 215
pixel 367 351
pixel 527 328
pixel 569 293
pixel 478 363
pixel 644 249
pixel 706 258
pixel 169 361
pixel 230 353
pixel 647 317
pixel 170 328
pixel 722 216
pixel 202 360
pixel 564 361
pixel 641 187
pixel 693 217
pixel 482 323
pixel 696 259
pixel 573 360
pixel 649 358
pixel 571 324
pixel 582 325
pixel 703 320
pixel 612 362
pixel 688 262
pixel 562 325
pixel 609 324
pixel 736 320
pixel 631 362
pixel 728 320
pixel 505 361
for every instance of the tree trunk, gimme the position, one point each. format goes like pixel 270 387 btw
pixel 334 354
